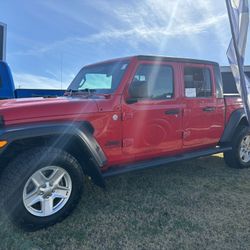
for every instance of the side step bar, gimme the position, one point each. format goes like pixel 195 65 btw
pixel 162 161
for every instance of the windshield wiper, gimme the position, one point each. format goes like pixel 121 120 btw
pixel 87 90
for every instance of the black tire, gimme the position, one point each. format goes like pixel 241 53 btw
pixel 232 158
pixel 18 173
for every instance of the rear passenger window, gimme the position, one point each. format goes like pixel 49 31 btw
pixel 197 82
pixel 159 79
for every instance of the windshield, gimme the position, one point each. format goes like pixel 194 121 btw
pixel 102 79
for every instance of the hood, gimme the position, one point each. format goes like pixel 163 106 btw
pixel 41 108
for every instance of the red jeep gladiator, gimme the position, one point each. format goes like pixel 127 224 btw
pixel 117 116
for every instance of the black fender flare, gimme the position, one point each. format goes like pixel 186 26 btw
pixel 233 122
pixel 77 130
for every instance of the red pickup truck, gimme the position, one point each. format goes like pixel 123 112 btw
pixel 116 116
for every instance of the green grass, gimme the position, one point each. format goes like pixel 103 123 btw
pixel 199 204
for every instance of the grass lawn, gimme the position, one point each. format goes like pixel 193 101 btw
pixel 198 204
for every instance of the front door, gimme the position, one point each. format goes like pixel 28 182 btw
pixel 152 126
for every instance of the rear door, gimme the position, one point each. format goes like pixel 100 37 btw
pixel 203 113
pixel 152 126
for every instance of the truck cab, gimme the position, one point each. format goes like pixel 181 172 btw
pixel 181 108
pixel 116 116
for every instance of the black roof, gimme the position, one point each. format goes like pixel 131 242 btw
pixel 174 59
pixel 158 58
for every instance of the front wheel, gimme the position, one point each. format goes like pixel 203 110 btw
pixel 41 187
pixel 239 156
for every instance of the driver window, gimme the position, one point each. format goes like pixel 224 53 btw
pixel 159 80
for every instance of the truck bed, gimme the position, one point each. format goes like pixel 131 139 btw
pixel 232 102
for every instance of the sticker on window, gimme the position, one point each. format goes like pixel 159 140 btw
pixel 190 92
pixel 124 66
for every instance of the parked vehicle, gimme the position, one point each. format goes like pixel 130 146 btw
pixel 8 91
pixel 117 116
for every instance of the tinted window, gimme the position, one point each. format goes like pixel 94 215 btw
pixel 229 85
pixel 197 82
pixel 159 79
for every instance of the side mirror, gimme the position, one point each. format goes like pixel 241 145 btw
pixel 138 89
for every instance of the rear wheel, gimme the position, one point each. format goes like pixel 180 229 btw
pixel 41 187
pixel 239 156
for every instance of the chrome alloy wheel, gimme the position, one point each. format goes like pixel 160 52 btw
pixel 47 191
pixel 245 149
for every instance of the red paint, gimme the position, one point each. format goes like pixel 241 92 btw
pixel 201 128
pixel 142 130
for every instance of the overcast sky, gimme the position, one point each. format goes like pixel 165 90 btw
pixel 51 40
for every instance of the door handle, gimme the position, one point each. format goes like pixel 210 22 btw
pixel 208 109
pixel 172 112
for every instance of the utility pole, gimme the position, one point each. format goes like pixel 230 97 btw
pixel 3 37
pixel 61 63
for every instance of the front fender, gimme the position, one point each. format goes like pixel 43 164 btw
pixel 76 130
